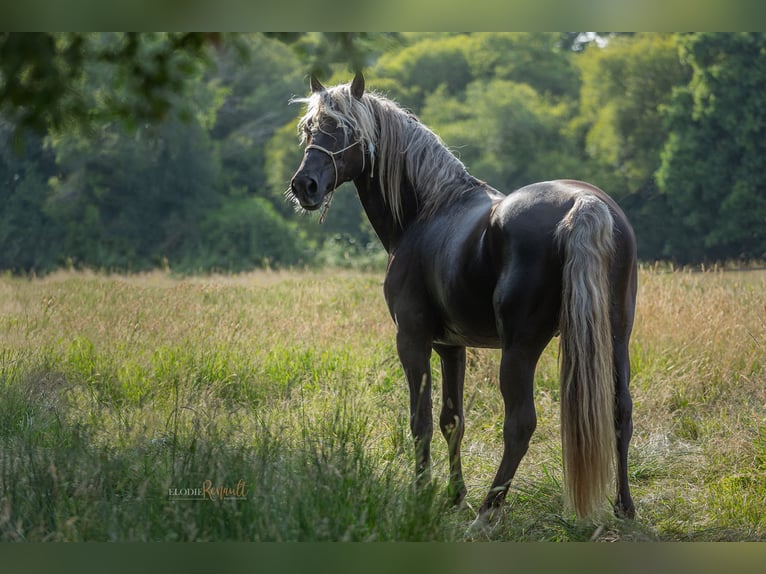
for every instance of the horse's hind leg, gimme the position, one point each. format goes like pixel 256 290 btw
pixel 526 310
pixel 623 505
pixel 517 369
pixel 451 418
pixel 622 325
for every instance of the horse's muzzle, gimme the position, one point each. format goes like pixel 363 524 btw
pixel 305 188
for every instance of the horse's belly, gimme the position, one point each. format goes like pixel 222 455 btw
pixel 473 332
pixel 461 340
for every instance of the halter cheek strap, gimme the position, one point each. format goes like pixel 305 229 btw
pixel 332 155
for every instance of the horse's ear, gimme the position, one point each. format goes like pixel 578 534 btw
pixel 357 86
pixel 316 85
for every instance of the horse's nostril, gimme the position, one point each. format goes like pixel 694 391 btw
pixel 304 185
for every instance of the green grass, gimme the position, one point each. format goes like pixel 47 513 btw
pixel 114 390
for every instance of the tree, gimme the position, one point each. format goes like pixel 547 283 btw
pixel 257 80
pixel 524 134
pixel 28 240
pixel 128 200
pixel 423 67
pixel 712 163
pixel 621 130
pixel 39 74
pixel 534 58
pixel 144 147
pixel 243 233
pixel 320 51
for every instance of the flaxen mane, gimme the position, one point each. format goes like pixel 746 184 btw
pixel 396 142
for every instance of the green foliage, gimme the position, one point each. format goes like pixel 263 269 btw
pixel 320 50
pixel 624 87
pixel 27 236
pixel 534 58
pixel 621 126
pixel 711 165
pixel 425 66
pixel 41 73
pixel 128 200
pixel 244 233
pixel 258 79
pixel 129 151
pixel 509 135
pixel 283 155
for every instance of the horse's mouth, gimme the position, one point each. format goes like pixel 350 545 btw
pixel 302 203
pixel 323 205
pixel 311 206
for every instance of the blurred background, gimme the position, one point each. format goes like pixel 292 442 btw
pixel 133 151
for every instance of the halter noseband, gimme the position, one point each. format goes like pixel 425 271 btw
pixel 332 155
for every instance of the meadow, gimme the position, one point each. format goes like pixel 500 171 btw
pixel 270 406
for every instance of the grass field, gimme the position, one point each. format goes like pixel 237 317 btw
pixel 122 397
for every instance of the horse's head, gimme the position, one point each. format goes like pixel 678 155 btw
pixel 335 150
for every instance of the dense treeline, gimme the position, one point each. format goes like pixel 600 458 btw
pixel 672 125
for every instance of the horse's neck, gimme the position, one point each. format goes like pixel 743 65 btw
pixel 388 230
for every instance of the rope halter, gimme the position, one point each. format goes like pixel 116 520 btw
pixel 332 155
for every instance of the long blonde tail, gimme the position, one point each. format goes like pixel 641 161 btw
pixel 585 355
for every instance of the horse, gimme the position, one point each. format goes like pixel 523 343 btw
pixel 469 266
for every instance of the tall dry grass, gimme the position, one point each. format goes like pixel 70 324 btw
pixel 114 389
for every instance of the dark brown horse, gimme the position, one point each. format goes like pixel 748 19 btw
pixel 469 266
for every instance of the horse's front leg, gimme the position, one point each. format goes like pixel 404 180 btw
pixel 415 355
pixel 451 419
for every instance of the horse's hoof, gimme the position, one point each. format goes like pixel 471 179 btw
pixel 482 526
pixel 626 512
pixel 458 499
pixel 478 529
pixel 463 505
